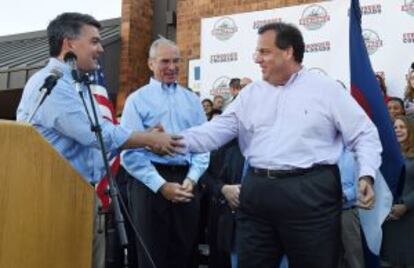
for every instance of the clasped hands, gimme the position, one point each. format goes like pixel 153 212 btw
pixel 178 193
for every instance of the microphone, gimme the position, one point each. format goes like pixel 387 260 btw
pixel 50 82
pixel 70 58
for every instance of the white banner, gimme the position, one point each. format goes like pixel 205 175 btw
pixel 228 42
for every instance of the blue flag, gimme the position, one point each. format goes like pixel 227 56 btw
pixel 366 90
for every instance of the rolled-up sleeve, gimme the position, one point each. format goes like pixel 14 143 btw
pixel 358 131
pixel 136 161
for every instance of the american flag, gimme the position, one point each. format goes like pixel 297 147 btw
pixel 108 112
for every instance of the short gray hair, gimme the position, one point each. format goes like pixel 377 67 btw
pixel 160 41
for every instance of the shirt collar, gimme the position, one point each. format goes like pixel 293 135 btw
pixel 60 65
pixel 294 76
pixel 164 86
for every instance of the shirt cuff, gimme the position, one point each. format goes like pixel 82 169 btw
pixel 367 172
pixel 156 183
pixel 185 149
pixel 121 135
pixel 193 175
pixel 350 195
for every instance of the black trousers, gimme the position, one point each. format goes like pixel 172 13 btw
pixel 168 229
pixel 297 216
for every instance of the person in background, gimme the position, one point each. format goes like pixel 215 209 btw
pixel 245 81
pixel 224 189
pixel 234 87
pixel 398 230
pixel 218 102
pixel 409 95
pixel 207 106
pixel 352 251
pixel 395 107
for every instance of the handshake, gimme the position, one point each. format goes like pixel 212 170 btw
pixel 169 144
pixel 162 143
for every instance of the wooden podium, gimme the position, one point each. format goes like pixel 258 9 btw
pixel 46 208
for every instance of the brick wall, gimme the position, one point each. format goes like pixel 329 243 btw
pixel 190 13
pixel 136 35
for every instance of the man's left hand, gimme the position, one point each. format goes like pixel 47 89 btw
pixel 366 196
pixel 397 211
pixel 188 185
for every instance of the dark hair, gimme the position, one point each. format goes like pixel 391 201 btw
pixel 287 36
pixel 400 102
pixel 67 25
pixel 235 82
pixel 213 113
pixel 207 100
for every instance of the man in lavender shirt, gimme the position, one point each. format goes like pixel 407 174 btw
pixel 292 128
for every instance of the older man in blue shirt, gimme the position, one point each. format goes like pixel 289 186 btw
pixel 163 200
pixel 352 252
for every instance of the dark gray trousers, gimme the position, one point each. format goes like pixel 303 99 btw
pixel 295 215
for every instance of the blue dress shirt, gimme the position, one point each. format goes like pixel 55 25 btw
pixel 176 109
pixel 348 171
pixel 62 121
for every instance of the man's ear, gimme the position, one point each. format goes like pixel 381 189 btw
pixel 67 44
pixel 151 64
pixel 289 52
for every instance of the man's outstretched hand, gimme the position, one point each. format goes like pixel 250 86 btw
pixel 163 143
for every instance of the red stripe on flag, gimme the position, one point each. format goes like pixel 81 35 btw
pixel 103 185
pixel 360 98
pixel 107 103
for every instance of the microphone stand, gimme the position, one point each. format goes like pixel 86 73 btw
pixel 113 190
pixel 44 92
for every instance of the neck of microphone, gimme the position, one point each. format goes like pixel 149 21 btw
pixel 51 80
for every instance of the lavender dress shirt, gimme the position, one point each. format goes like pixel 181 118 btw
pixel 305 122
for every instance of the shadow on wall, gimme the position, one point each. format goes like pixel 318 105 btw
pixel 9 100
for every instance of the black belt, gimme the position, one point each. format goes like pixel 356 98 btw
pixel 274 174
pixel 349 208
pixel 171 168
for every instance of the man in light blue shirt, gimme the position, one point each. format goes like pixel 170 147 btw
pixel 162 196
pixel 352 255
pixel 62 119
